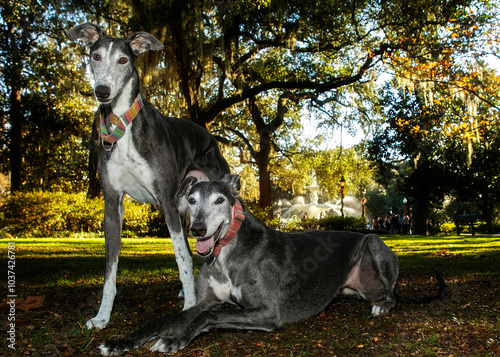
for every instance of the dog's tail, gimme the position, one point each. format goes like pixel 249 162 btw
pixel 443 289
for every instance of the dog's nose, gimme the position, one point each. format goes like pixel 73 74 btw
pixel 198 229
pixel 102 92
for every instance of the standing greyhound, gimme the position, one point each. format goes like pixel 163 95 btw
pixel 258 278
pixel 143 153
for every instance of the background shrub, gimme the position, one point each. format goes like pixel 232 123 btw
pixel 480 228
pixel 448 228
pixel 42 213
pixel 337 223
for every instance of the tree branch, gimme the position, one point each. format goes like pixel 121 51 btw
pixel 317 88
pixel 244 139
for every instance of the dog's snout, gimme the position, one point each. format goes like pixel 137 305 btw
pixel 198 229
pixel 102 92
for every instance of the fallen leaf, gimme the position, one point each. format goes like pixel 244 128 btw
pixel 31 302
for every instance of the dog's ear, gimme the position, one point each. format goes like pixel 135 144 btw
pixel 185 186
pixel 233 182
pixel 141 42
pixel 88 33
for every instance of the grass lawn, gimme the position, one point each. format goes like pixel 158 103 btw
pixel 69 272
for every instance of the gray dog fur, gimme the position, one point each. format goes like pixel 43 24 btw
pixel 264 278
pixel 149 161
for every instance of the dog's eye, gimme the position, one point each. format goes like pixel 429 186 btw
pixel 191 200
pixel 123 60
pixel 96 57
pixel 220 200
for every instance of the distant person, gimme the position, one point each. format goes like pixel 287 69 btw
pixel 388 224
pixel 429 226
pixel 395 224
pixel 406 224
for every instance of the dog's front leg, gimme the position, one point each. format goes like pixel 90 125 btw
pixel 165 326
pixel 182 255
pixel 246 319
pixel 113 217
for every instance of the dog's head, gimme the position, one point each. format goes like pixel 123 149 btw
pixel 112 59
pixel 209 205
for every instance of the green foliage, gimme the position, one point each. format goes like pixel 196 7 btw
pixel 329 223
pixel 42 213
pixel 293 225
pixel 265 214
pixel 483 229
pixel 336 223
pixel 448 228
pixel 56 132
pixel 55 118
pixel 39 213
pixel 479 227
pixel 219 54
pixel 138 217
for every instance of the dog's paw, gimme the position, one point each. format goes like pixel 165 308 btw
pixel 167 344
pixel 115 348
pixel 96 323
pixel 378 310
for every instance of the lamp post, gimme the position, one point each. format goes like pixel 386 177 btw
pixel 342 183
pixel 279 214
pixel 363 202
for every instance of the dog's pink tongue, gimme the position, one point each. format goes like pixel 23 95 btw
pixel 202 247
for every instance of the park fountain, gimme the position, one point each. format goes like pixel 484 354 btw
pixel 298 209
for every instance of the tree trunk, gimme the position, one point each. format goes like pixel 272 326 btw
pixel 263 158
pixel 421 215
pixel 18 49
pixel 421 181
pixel 486 210
pixel 16 157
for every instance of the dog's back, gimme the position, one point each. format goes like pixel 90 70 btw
pixel 313 266
pixel 187 140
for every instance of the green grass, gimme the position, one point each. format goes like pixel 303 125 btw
pixel 69 271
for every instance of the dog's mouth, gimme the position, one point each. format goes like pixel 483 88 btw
pixel 205 246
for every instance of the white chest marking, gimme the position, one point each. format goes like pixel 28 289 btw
pixel 128 172
pixel 225 291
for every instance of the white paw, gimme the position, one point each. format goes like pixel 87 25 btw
pixel 96 323
pixel 115 347
pixel 103 350
pixel 378 310
pixel 159 346
pixel 167 344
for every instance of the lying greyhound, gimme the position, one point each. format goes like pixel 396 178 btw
pixel 268 278
pixel 143 153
